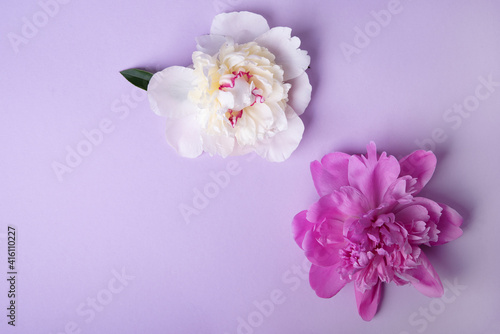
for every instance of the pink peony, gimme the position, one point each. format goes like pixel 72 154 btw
pixel 368 226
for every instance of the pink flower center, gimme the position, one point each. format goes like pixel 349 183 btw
pixel 244 94
pixel 378 248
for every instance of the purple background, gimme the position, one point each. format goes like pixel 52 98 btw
pixel 118 208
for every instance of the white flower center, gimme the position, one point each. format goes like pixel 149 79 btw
pixel 237 92
pixel 231 84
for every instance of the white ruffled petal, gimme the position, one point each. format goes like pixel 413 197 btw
pixel 168 92
pixel 280 147
pixel 210 44
pixel 185 136
pixel 241 150
pixel 278 41
pixel 279 116
pixel 243 27
pixel 299 95
pixel 221 145
pixel 246 131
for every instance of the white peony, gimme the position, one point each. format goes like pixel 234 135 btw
pixel 244 92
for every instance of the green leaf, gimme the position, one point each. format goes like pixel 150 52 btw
pixel 137 77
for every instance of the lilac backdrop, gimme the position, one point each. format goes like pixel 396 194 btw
pixel 116 212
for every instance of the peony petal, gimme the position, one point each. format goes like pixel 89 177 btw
pixel 331 231
pixel 433 209
pixel 285 48
pixel 399 190
pixel 368 301
pixel 184 135
pixel 412 213
pixel 319 254
pixel 300 225
pixel 447 220
pixel 221 145
pixel 168 92
pixel 372 175
pixel 299 95
pixel 326 281
pixel 331 173
pixel 267 116
pixel 243 27
pixel 419 165
pixel 210 44
pixel 246 130
pixel 241 149
pixel 425 278
pixel 279 147
pixel 256 121
pixel 339 205
pixel 448 225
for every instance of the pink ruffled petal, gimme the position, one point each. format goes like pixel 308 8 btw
pixel 368 301
pixel 412 213
pixel 299 95
pixel 184 135
pixel 433 209
pixel 168 92
pixel 331 173
pixel 446 219
pixel 419 165
pixel 448 225
pixel 280 42
pixel 340 205
pixel 331 231
pixel 326 282
pixel 425 278
pixel 319 254
pixel 399 190
pixel 243 27
pixel 372 175
pixel 300 226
